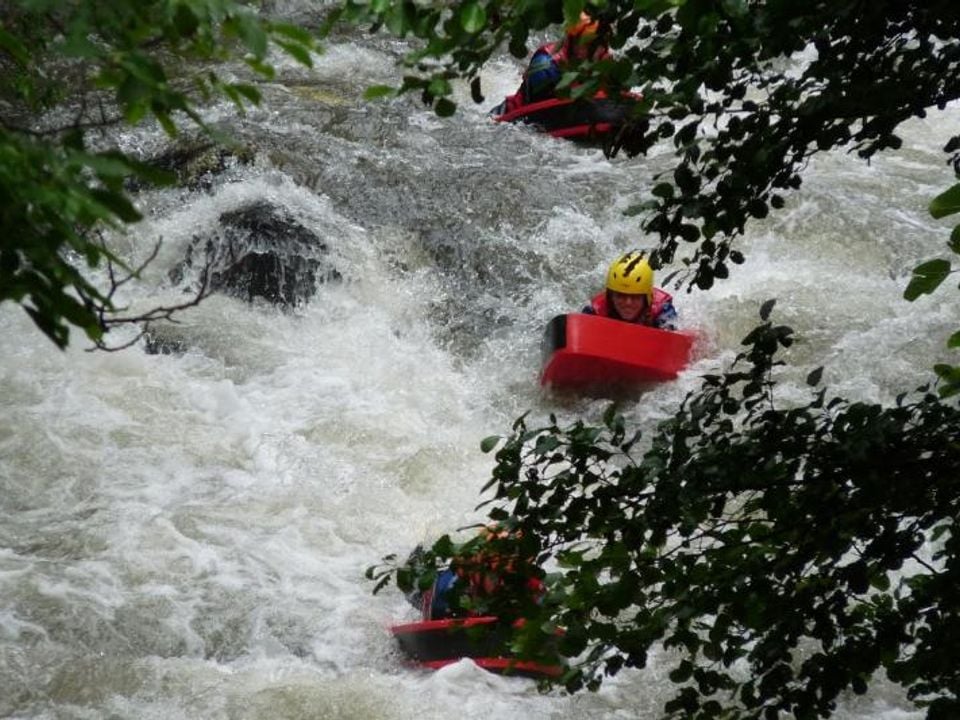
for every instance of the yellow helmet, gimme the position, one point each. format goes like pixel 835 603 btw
pixel 631 274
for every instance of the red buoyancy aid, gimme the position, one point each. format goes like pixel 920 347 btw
pixel 649 315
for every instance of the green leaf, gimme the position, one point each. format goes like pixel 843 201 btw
pixel 927 278
pixel 946 203
pixel 954 243
pixel 117 204
pixel 296 33
pixel 949 373
pixel 954 340
pixel 382 584
pixel 880 581
pixel 14 47
pixel 518 45
pixel 682 672
pixel 546 444
pixel 634 210
pixel 79 45
pixel 663 190
pixel 475 93
pixel 152 174
pixel 132 92
pixel 250 92
pixel 691 233
pixel 265 69
pixel 814 377
pixel 766 309
pixel 489 443
pixel 147 70
pixel 439 87
pixel 134 112
pixel 443 547
pixel 250 30
pixel 445 107
pixel 330 21
pixel 107 165
pixel 951 380
pixel 473 18
pixel 735 8
pixel 397 19
pixel 297 51
pixel 166 122
pixel 185 21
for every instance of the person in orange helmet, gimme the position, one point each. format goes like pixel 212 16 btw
pixel 581 41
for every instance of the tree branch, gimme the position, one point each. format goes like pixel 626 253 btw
pixel 163 312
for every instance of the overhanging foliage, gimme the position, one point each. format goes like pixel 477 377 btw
pixel 105 63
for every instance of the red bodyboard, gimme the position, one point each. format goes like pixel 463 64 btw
pixel 582 350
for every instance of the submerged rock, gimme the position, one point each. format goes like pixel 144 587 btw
pixel 197 162
pixel 156 343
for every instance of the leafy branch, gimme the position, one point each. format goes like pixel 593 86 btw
pixel 929 275
pixel 107 311
pixel 110 62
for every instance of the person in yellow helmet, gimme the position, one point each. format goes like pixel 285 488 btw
pixel 581 41
pixel 630 295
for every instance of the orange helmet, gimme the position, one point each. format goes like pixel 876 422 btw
pixel 583 30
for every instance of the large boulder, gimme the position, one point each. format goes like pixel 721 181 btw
pixel 260 251
pixel 264 253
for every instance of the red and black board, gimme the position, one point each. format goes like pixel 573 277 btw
pixel 434 644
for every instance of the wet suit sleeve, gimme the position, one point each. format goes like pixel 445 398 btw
pixel 668 318
pixel 441 604
pixel 541 78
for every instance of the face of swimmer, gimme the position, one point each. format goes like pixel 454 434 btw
pixel 629 307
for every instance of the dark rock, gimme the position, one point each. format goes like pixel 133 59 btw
pixel 261 252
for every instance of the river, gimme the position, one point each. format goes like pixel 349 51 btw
pixel 184 535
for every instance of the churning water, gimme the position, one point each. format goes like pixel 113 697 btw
pixel 184 535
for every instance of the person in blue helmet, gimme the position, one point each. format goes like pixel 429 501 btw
pixel 630 295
